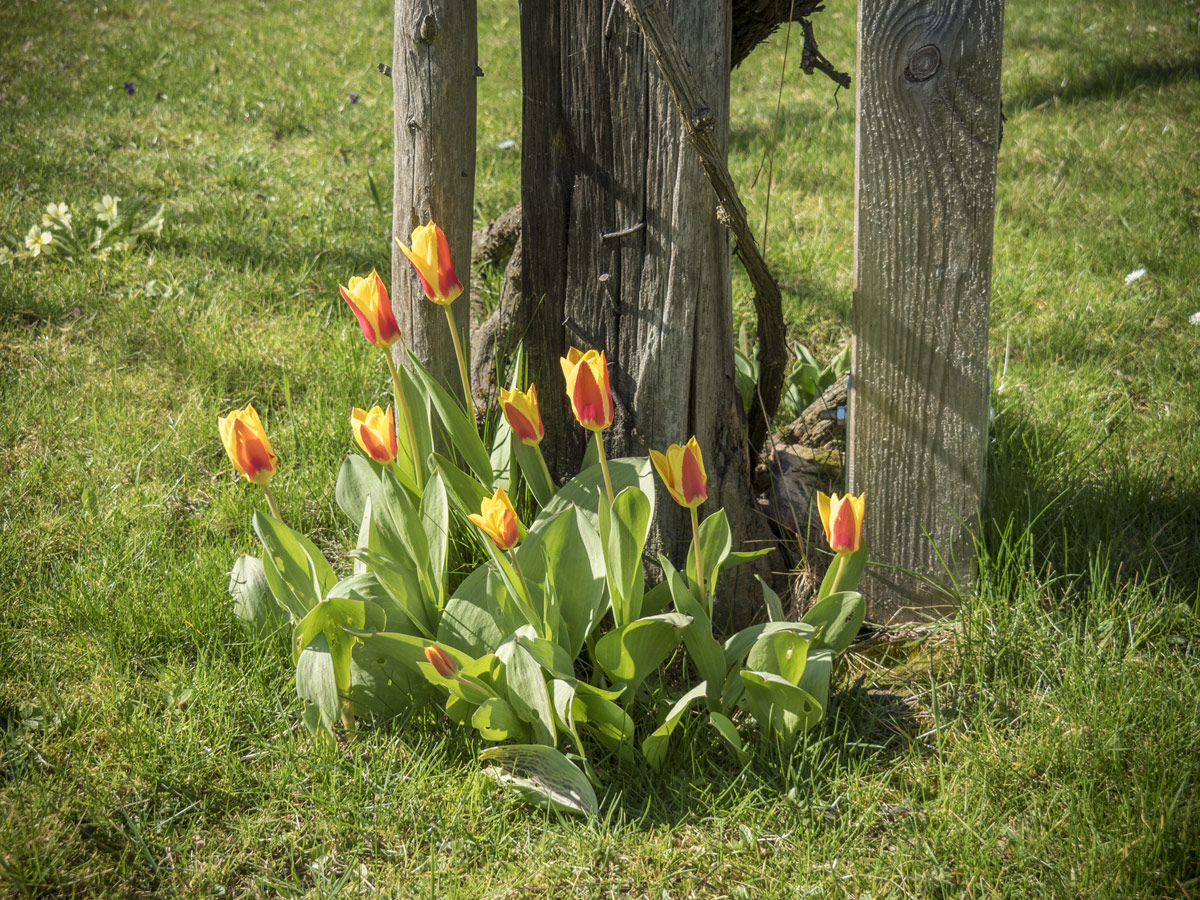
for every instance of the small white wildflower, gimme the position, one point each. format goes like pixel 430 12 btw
pixel 506 145
pixel 37 239
pixel 6 256
pixel 57 212
pixel 1134 275
pixel 1194 318
pixel 106 209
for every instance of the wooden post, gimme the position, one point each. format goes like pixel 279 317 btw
pixel 928 130
pixel 433 76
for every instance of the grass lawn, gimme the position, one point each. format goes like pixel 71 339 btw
pixel 1047 744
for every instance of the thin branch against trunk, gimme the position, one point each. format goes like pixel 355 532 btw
pixel 698 123
pixel 756 20
pixel 494 242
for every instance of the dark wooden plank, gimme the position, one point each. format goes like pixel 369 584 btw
pixel 927 138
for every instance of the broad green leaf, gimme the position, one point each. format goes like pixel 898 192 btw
pixel 656 599
pixel 366 591
pixel 435 519
pixel 739 645
pixel 530 464
pixel 298 574
pixel 403 585
pixel 550 656
pixel 357 479
pixel 409 651
pixel 381 687
pixel 419 408
pixel 703 649
pixel 253 603
pixel 836 620
pixel 460 428
pixel 565 552
pixel 715 544
pixel 329 617
pixel 728 731
pixel 586 490
pixel 610 724
pixel 563 699
pixel 781 653
pixel 771 601
pixel 400 521
pixel 542 776
pixel 623 530
pixel 630 653
pixel 474 619
pixel 654 747
pixel 741 557
pixel 496 721
pixel 817 673
pixel 316 685
pixel 501 456
pixel 527 691
pixel 778 705
pixel 844 573
pixel 464 491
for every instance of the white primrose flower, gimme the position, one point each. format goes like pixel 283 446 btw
pixel 106 209
pixel 6 256
pixel 37 240
pixel 57 212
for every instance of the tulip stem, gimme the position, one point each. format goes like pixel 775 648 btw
pixel 604 467
pixel 699 560
pixel 271 503
pixel 545 468
pixel 462 361
pixel 406 413
pixel 348 716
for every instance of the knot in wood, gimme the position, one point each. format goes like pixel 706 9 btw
pixel 702 118
pixel 924 63
pixel 412 123
pixel 429 28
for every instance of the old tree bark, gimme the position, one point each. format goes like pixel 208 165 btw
pixel 620 235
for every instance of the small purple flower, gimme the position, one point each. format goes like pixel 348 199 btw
pixel 353 99
pixel 129 88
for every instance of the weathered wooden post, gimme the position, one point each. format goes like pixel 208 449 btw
pixel 433 76
pixel 928 130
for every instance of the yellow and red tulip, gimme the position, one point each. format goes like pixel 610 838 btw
pixel 430 256
pixel 843 520
pixel 588 388
pixel 373 309
pixel 498 520
pixel 441 661
pixel 375 433
pixel 682 471
pixel 246 442
pixel 521 411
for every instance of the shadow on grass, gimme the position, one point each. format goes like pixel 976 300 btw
pixel 1107 83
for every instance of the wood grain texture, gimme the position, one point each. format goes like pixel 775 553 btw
pixel 928 129
pixel 433 77
pixel 620 233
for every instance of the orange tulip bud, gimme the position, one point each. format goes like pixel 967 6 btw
pixel 588 388
pixel 430 256
pixel 682 471
pixel 375 432
pixel 246 442
pixel 498 520
pixel 843 520
pixel 521 411
pixel 441 661
pixel 373 309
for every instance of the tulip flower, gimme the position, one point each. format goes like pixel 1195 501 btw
pixel 373 309
pixel 591 398
pixel 682 471
pixel 441 661
pixel 498 520
pixel 375 432
pixel 521 411
pixel 843 521
pixel 588 388
pixel 249 450
pixel 430 256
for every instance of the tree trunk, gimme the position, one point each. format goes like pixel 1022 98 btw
pixel 620 237
pixel 433 76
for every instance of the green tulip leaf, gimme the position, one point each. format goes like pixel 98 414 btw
pixel 703 649
pixel 836 620
pixel 781 653
pixel 779 706
pixel 654 747
pixel 253 603
pixel 501 456
pixel 586 490
pixel 474 618
pixel 772 602
pixel 845 571
pixel 527 691
pixel 460 428
pixel 381 687
pixel 630 653
pixel 294 568
pixel 729 733
pixel 435 520
pixel 403 585
pixel 542 488
pixel 357 479
pixel 316 685
pixel 623 530
pixel 496 721
pixel 715 543
pixel 817 674
pixel 542 776
pixel 739 645
pixel 464 491
pixel 400 522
